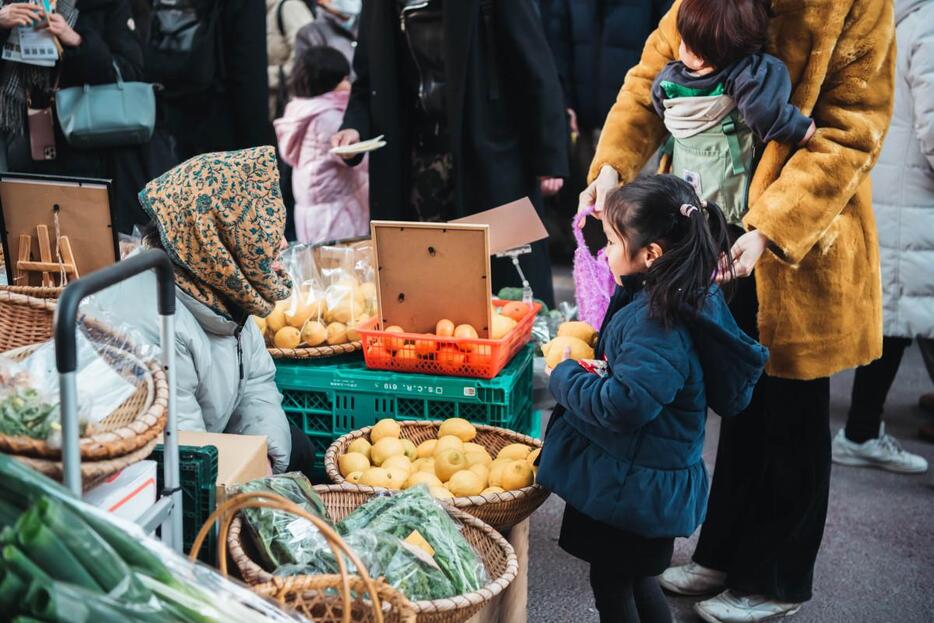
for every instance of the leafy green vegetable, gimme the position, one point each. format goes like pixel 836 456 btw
pixel 24 412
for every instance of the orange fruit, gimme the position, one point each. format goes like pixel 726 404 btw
pixel 425 348
pixel 515 310
pixel 393 343
pixel 378 355
pixel 465 331
pixel 444 328
pixel 450 360
pixel 406 357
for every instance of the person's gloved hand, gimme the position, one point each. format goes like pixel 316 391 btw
pixel 595 194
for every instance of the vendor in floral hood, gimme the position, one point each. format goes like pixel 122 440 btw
pixel 221 219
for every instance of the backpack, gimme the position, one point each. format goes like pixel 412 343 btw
pixel 717 162
pixel 185 52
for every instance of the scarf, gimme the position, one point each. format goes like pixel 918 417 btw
pixel 221 220
pixel 17 80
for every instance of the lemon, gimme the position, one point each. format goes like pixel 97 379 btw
pixel 287 337
pixel 533 455
pixel 427 466
pixel 482 471
pixel 375 477
pixel 473 447
pixel 458 427
pixel 515 451
pixel 501 326
pixel 440 493
pixel 314 333
pixel 496 471
pixel 397 478
pixel 581 330
pixel 448 442
pixel 385 448
pixel 399 461
pixel 276 320
pixel 422 478
pixel 385 428
pixel 517 475
pixel 448 463
pixel 352 462
pixel 426 449
pixel 465 483
pixel 410 449
pixel 360 445
pixel 354 477
pixel 554 350
pixel 337 333
pixel 492 490
pixel 475 457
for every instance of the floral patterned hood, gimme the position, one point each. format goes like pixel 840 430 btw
pixel 221 220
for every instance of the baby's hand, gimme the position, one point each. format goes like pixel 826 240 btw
pixel 809 133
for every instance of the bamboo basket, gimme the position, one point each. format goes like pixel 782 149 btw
pixel 499 510
pixel 338 598
pixel 132 426
pixel 497 555
pixel 317 352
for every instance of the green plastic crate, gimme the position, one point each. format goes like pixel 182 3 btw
pixel 330 397
pixel 198 467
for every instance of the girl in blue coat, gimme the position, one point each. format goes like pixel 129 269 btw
pixel 624 445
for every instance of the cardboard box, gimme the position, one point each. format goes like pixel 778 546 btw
pixel 240 458
pixel 129 493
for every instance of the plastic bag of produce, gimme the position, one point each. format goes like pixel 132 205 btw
pixel 281 538
pixel 415 510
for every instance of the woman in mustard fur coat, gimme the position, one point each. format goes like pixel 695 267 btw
pixel 816 301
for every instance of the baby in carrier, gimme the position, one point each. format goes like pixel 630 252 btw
pixel 723 96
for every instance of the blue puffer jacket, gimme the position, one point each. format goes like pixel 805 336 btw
pixel 627 448
pixel 595 42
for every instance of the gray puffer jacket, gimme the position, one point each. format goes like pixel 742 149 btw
pixel 213 393
pixel 903 180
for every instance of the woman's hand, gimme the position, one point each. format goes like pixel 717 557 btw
pixel 550 185
pixel 20 14
pixel 344 138
pixel 746 252
pixel 595 194
pixel 564 357
pixel 65 33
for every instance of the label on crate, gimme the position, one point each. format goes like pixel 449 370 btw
pixel 470 391
pixel 415 388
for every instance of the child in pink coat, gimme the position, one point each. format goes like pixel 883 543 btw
pixel 331 198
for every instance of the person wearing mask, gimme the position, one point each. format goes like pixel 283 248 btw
pixel 336 27
pixel 903 199
pixel 221 220
pixel 468 100
pixel 284 20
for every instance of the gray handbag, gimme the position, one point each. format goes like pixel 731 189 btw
pixel 107 115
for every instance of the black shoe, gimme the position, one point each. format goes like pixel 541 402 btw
pixel 926 402
pixel 926 432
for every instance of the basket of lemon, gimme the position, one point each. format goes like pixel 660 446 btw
pixel 453 458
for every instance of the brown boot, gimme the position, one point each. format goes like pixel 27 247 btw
pixel 926 402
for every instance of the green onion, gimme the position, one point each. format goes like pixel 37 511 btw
pixel 45 549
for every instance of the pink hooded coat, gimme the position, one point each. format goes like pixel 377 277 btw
pixel 331 198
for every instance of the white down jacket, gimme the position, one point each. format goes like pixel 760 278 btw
pixel 903 180
pixel 212 395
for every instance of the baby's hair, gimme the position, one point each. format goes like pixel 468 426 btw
pixel 723 31
pixel 318 71
pixel 693 235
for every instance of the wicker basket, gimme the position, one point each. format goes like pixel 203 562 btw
pixel 315 353
pixel 133 425
pixel 499 510
pixel 497 555
pixel 37 292
pixel 322 598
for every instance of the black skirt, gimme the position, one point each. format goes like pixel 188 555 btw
pixel 599 543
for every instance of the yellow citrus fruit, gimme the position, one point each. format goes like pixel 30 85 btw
pixel 496 471
pixel 473 447
pixel 375 477
pixel 385 448
pixel 501 326
pixel 449 442
pixel 448 463
pixel 581 330
pixel 533 455
pixel 337 333
pixel 385 428
pixel 314 333
pixel 475 457
pixel 354 477
pixel 458 427
pixel 440 493
pixel 360 445
pixel 276 320
pixel 515 451
pixel 399 461
pixel 426 449
pixel 465 483
pixel 397 478
pixel 410 449
pixel 516 475
pixel 352 462
pixel 287 337
pixel 422 478
pixel 427 466
pixel 492 490
pixel 482 471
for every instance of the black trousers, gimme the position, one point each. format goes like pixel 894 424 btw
pixel 768 501
pixel 622 598
pixel 303 454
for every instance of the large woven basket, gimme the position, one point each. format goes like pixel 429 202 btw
pixel 132 426
pixel 337 598
pixel 317 352
pixel 497 555
pixel 38 292
pixel 499 510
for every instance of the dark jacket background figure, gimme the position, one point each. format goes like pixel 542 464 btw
pixel 595 42
pixel 235 113
pixel 328 31
pixel 500 142
pixel 108 33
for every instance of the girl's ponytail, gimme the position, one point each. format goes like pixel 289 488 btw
pixel 693 235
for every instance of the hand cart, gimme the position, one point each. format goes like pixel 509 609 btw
pixel 167 512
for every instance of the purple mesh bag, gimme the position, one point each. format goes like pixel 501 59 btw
pixel 593 281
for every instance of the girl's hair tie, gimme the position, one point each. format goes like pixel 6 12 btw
pixel 687 209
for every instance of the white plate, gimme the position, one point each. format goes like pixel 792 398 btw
pixel 360 148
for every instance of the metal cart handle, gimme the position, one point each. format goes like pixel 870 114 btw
pixel 66 359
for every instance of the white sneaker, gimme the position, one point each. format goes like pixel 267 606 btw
pixel 884 453
pixel 692 579
pixel 728 607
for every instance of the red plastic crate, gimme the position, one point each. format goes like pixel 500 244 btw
pixel 449 356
